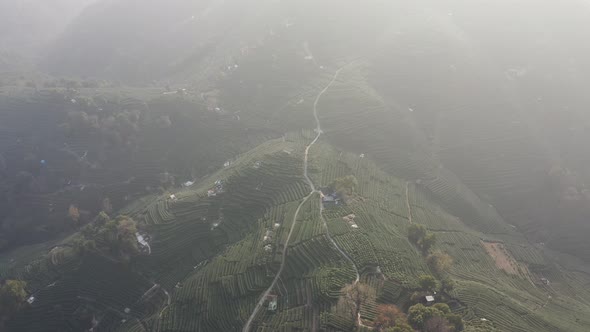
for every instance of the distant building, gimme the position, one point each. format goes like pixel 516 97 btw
pixel 429 299
pixel 328 199
pixel 30 300
pixel 272 302
pixel 141 239
pixel 331 199
pixel 545 281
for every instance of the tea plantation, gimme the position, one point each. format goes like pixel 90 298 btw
pixel 212 256
pixel 217 242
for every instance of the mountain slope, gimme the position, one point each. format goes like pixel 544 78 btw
pixel 214 276
pixel 28 26
pixel 488 108
pixel 436 119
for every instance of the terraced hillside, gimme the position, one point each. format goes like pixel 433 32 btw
pixel 526 304
pixel 82 148
pixel 217 245
pixel 186 232
pixel 436 86
pixel 276 157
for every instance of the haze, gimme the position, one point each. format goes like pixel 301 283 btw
pixel 313 165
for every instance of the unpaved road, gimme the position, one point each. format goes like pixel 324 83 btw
pixel 313 191
pixel 408 202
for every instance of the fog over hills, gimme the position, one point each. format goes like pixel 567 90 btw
pixel 295 165
pixel 28 26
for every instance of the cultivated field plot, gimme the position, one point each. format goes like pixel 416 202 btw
pixel 508 275
pixel 383 226
pixel 217 245
pixel 356 118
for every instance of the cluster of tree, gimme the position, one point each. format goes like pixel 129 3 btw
pixel 74 213
pixel 428 283
pixel 390 318
pixel 354 296
pixel 119 129
pixel 89 149
pixel 114 238
pixel 12 298
pixel 437 318
pixel 344 186
pixel 447 284
pixel 439 262
pixel 421 237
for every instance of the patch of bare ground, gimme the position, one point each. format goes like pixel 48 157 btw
pixel 502 258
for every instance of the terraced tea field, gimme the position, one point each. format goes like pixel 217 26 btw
pixel 252 247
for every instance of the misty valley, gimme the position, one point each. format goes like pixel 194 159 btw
pixel 266 165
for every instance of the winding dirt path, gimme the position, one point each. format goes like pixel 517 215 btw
pixel 408 202
pixel 313 191
pixel 278 275
pixel 168 302
pixel 319 133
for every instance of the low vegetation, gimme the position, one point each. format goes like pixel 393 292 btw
pixel 213 254
pixel 437 318
pixel 439 262
pixel 114 238
pixel 12 298
pixel 447 197
pixel 344 187
pixel 391 318
pixel 354 297
pixel 421 237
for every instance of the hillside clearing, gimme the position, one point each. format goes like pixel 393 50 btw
pixel 502 257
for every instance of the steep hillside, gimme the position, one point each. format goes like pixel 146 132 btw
pixel 196 40
pixel 457 98
pixel 493 107
pixel 225 165
pixel 211 256
pixel 89 149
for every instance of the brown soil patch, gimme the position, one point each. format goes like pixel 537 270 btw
pixel 502 257
pixel 352 199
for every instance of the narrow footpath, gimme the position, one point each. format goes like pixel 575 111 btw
pixel 408 202
pixel 313 191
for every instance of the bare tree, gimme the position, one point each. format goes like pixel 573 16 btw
pixel 354 297
pixel 437 324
